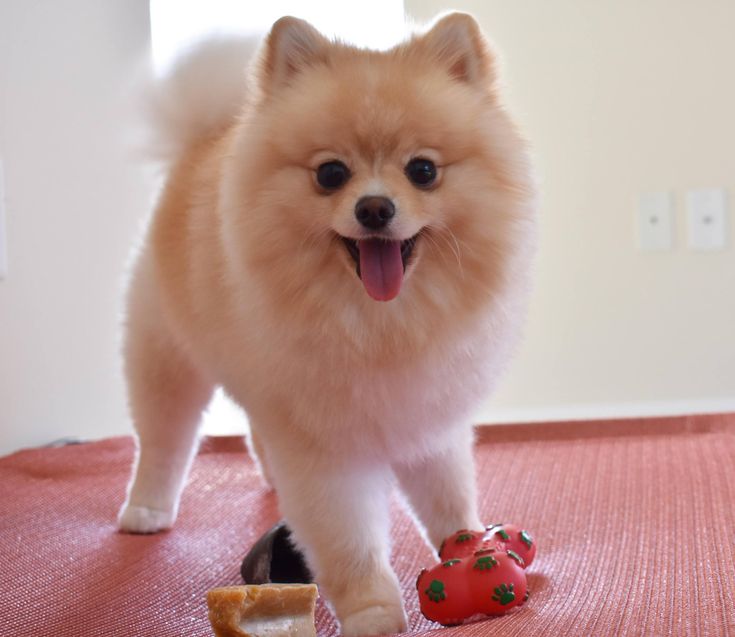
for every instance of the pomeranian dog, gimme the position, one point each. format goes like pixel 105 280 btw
pixel 343 244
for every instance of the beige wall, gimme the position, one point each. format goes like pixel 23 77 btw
pixel 73 203
pixel 619 97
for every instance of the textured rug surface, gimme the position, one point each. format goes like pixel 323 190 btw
pixel 634 522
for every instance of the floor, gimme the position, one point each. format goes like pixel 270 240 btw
pixel 634 523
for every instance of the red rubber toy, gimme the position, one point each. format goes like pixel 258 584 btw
pixel 481 573
pixel 495 536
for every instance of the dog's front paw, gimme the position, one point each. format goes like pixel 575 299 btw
pixel 374 620
pixel 138 519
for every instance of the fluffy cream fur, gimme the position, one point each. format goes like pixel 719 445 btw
pixel 244 282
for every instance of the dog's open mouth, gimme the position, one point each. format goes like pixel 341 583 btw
pixel 381 263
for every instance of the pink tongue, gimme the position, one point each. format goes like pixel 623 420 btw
pixel 381 268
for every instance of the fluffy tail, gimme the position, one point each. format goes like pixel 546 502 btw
pixel 201 95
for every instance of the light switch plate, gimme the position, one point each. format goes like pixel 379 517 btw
pixel 3 241
pixel 655 221
pixel 707 218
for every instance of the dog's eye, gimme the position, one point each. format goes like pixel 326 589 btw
pixel 332 175
pixel 421 172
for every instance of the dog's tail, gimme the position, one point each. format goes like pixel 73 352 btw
pixel 202 94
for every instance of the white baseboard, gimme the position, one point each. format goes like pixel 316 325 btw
pixel 602 411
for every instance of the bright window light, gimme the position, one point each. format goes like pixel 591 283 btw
pixel 176 24
pixel 223 417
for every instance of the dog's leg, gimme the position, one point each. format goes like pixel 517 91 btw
pixel 339 517
pixel 167 395
pixel 441 490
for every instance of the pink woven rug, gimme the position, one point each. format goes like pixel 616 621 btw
pixel 634 520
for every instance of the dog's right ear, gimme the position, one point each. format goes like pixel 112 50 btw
pixel 292 45
pixel 456 44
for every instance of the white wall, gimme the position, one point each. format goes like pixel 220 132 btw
pixel 619 97
pixel 74 201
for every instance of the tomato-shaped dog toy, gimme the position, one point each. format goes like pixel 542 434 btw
pixel 486 583
pixel 445 594
pixel 497 536
pixel 481 573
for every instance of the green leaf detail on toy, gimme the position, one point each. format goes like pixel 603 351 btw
pixel 504 594
pixel 526 596
pixel 516 557
pixel 526 539
pixel 485 563
pixel 503 535
pixel 449 563
pixel 435 592
pixel 464 537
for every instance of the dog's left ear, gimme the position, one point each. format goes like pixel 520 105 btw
pixel 291 46
pixel 456 42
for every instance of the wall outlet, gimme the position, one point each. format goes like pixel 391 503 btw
pixel 655 221
pixel 707 218
pixel 3 242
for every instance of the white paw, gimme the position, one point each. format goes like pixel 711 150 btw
pixel 375 620
pixel 136 519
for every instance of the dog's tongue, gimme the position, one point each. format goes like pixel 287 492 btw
pixel 381 268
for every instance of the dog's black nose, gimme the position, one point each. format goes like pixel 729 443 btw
pixel 374 212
